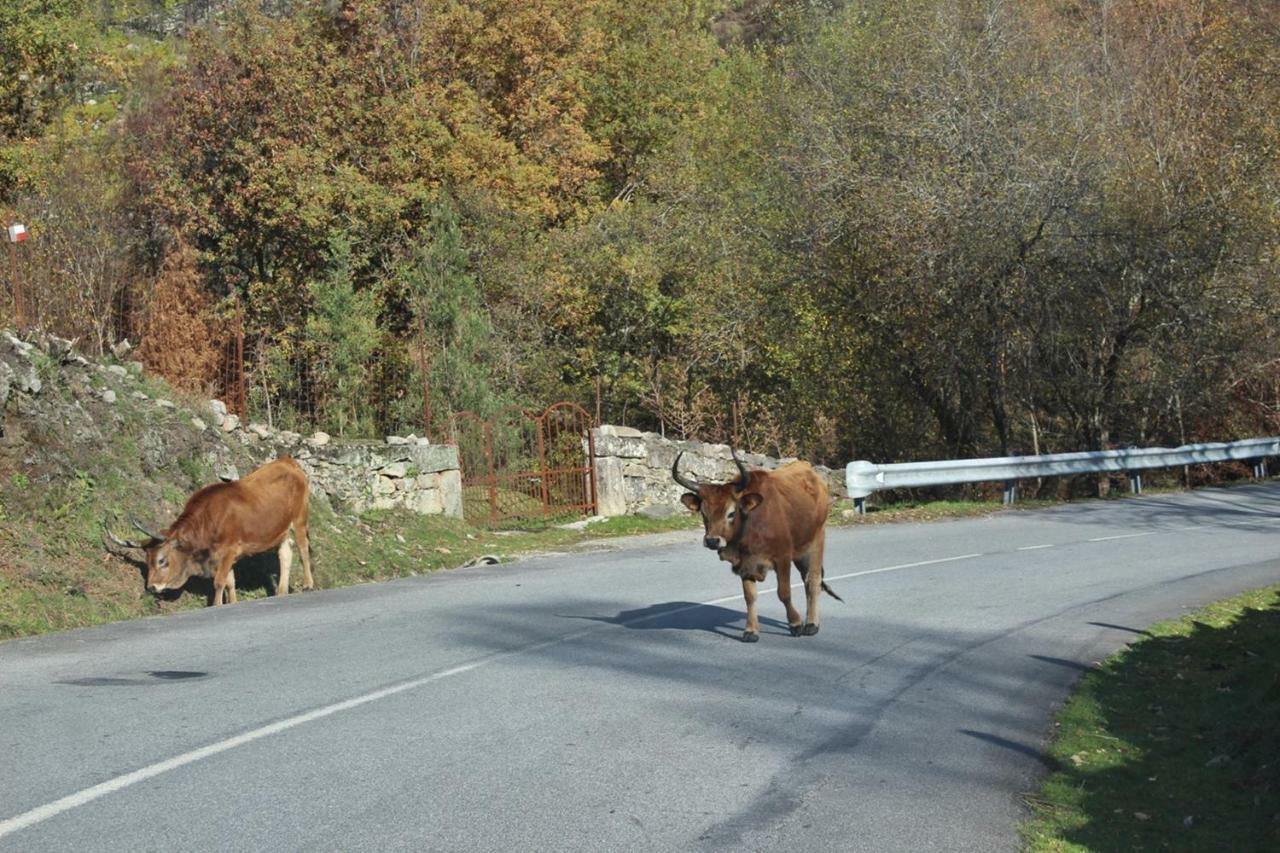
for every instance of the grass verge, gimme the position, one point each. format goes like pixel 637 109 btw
pixel 1172 744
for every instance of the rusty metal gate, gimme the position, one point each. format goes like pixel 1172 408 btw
pixel 522 464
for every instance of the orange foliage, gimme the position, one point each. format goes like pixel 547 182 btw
pixel 182 335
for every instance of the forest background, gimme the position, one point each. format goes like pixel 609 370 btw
pixel 878 229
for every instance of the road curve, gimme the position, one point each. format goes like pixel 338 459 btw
pixel 602 701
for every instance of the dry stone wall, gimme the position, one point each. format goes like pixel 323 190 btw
pixel 398 473
pixel 633 470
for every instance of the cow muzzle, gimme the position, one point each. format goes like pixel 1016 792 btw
pixel 714 543
pixel 156 587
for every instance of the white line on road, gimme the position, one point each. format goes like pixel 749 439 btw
pixel 1034 547
pixel 799 584
pixel 1123 536
pixel 88 795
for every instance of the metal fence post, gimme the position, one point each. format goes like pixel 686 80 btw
pixel 1135 483
pixel 1010 492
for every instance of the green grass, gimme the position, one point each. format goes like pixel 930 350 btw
pixel 384 544
pixel 842 511
pixel 60 576
pixel 1173 744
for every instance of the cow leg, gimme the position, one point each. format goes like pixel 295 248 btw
pixel 304 547
pixel 231 587
pixel 783 570
pixel 810 566
pixel 286 560
pixel 752 633
pixel 221 576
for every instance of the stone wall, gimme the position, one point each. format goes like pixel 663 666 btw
pixel 633 470
pixel 398 473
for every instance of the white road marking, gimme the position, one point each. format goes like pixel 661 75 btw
pixel 88 795
pixel 80 798
pixel 1034 547
pixel 1123 536
pixel 903 566
pixel 800 584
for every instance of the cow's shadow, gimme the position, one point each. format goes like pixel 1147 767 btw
pixel 686 616
pixel 256 574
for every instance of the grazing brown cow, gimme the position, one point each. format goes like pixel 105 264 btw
pixel 226 521
pixel 767 520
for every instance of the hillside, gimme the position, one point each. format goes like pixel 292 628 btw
pixel 83 440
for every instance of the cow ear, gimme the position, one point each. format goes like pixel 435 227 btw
pixel 750 501
pixel 692 501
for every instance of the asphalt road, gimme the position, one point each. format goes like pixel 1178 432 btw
pixel 602 701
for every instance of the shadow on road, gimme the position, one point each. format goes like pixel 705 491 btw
pixel 686 616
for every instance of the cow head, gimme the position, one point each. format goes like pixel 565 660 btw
pixel 170 561
pixel 724 507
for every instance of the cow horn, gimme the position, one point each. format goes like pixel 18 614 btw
pixel 116 540
pixel 741 483
pixel 138 525
pixel 675 472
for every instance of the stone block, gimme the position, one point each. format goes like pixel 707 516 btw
pixel 451 492
pixel 395 469
pixel 433 458
pixel 6 382
pixel 619 431
pixel 611 495
pixel 426 502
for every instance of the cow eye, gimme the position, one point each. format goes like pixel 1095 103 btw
pixel 162 562
pixel 729 515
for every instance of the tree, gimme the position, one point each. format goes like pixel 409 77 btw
pixel 455 332
pixel 341 336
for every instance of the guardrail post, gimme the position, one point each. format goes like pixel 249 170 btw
pixel 860 506
pixel 1135 482
pixel 1260 469
pixel 1010 491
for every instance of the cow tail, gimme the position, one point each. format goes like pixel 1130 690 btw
pixel 828 590
pixel 804 576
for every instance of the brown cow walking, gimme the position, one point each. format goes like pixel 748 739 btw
pixel 767 520
pixel 226 521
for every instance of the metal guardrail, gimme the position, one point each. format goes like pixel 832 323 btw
pixel 864 478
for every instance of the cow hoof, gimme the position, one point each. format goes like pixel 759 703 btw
pixel 808 629
pixel 796 630
pixel 750 637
